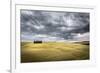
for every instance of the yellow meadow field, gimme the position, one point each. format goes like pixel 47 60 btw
pixel 53 51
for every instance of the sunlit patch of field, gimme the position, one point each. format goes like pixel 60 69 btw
pixel 53 51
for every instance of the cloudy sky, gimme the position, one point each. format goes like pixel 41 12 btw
pixel 54 26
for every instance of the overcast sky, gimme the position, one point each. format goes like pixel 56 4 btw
pixel 54 26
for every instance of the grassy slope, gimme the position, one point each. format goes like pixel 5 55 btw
pixel 53 51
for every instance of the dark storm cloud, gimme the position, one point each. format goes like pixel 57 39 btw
pixel 53 25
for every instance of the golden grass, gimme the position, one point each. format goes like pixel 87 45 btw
pixel 53 51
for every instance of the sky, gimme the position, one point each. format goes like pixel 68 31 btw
pixel 54 25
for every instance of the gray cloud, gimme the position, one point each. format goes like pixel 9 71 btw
pixel 53 25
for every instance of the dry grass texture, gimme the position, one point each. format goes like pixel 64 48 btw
pixel 53 51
